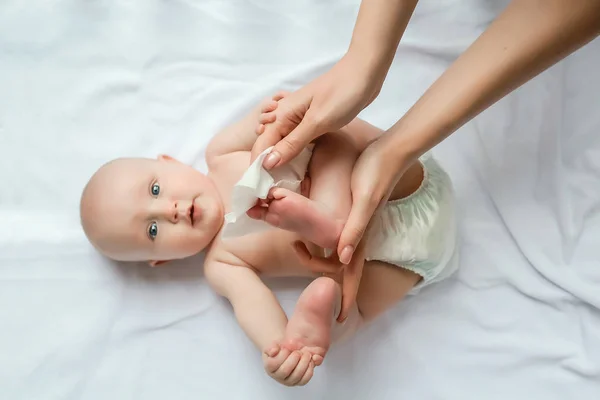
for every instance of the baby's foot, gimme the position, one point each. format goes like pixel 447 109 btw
pixel 309 328
pixel 293 212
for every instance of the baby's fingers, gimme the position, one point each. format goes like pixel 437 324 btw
pixel 280 95
pixel 307 375
pixel 268 106
pixel 272 350
pixel 300 370
pixel 267 118
pixel 314 263
pixel 272 364
pixel 287 367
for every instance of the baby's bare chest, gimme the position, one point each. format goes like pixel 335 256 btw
pixel 270 252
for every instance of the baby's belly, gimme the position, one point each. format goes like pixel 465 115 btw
pixel 271 253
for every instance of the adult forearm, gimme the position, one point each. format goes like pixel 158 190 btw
pixel 527 38
pixel 379 27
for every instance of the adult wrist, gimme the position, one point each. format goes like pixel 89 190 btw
pixel 374 64
pixel 404 144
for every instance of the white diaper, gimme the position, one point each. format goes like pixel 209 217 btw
pixel 255 184
pixel 419 232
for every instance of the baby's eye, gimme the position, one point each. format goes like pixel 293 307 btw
pixel 153 230
pixel 155 189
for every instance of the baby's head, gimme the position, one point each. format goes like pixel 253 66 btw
pixel 139 209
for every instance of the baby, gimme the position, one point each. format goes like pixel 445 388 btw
pixel 158 210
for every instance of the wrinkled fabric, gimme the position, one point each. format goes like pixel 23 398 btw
pixel 255 184
pixel 419 232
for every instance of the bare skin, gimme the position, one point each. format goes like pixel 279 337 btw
pixel 152 224
pixel 293 212
pixel 320 219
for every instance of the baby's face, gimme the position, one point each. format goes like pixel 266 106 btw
pixel 151 210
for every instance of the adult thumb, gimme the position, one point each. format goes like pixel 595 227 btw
pixel 291 145
pixel 358 221
pixel 267 139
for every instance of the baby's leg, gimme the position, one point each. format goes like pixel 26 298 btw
pixel 312 326
pixel 321 218
pixel 382 286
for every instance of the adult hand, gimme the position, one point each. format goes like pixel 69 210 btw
pixel 374 176
pixel 326 104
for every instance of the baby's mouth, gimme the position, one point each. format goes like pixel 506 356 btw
pixel 192 214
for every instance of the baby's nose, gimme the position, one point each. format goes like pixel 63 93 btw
pixel 174 211
pixel 168 210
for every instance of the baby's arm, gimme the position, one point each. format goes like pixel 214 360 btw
pixel 257 310
pixel 241 135
pixel 261 317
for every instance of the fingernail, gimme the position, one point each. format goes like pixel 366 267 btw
pixel 346 255
pixel 272 160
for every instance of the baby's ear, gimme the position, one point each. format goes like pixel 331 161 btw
pixel 155 263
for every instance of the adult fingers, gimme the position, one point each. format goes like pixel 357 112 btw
pixel 361 213
pixel 350 284
pixel 290 146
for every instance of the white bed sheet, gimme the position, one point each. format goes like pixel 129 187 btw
pixel 85 81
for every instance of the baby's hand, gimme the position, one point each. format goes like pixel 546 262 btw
pixel 267 111
pixel 290 368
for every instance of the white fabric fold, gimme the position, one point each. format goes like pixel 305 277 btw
pixel 255 184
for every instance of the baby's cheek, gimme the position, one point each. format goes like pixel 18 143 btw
pixel 177 242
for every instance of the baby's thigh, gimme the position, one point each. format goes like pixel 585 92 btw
pixel 382 286
pixel 333 152
pixel 330 170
